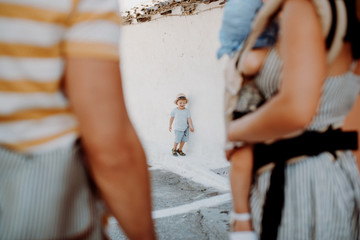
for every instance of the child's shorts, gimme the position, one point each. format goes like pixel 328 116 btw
pixel 182 136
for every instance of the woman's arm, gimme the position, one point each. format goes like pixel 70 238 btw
pixel 352 122
pixel 302 49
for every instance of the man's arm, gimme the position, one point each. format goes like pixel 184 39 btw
pixel 115 155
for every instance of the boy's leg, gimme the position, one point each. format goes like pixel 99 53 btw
pixel 240 179
pixel 178 137
pixel 184 139
pixel 175 145
pixel 177 140
pixel 173 150
pixel 179 151
pixel 181 145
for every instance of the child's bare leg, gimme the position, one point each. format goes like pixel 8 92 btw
pixel 175 145
pixel 240 179
pixel 181 145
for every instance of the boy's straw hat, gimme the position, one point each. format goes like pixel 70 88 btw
pixel 180 96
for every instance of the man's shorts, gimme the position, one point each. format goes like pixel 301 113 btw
pixel 182 136
pixel 46 196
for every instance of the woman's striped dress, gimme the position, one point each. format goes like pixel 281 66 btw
pixel 322 194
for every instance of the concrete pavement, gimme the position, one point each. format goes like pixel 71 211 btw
pixel 184 209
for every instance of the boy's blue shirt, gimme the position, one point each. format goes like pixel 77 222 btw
pixel 236 26
pixel 181 116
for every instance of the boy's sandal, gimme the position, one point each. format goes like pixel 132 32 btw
pixel 242 235
pixel 174 152
pixel 181 152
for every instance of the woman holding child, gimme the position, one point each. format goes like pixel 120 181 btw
pixel 305 177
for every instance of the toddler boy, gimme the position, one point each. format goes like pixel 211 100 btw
pixel 182 124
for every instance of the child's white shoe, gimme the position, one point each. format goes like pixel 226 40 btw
pixel 242 235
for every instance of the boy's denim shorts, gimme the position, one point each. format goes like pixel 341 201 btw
pixel 182 136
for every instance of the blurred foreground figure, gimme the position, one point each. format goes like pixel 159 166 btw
pixel 305 180
pixel 60 82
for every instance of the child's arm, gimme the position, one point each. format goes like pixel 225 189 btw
pixel 190 124
pixel 171 121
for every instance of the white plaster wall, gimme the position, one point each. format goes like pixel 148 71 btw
pixel 164 57
pixel 128 4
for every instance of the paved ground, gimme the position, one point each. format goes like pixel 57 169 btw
pixel 186 210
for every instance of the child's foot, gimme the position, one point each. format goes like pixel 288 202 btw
pixel 174 153
pixel 246 235
pixel 241 227
pixel 181 153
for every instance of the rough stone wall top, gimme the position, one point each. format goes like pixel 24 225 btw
pixel 157 9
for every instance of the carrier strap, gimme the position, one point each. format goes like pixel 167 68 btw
pixel 310 143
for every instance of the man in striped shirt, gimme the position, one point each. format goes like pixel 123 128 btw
pixel 59 81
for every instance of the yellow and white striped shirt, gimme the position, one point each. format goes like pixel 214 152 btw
pixel 35 38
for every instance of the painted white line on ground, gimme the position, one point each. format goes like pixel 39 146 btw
pixel 209 202
pixel 204 203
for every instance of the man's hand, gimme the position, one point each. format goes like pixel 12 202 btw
pixel 191 129
pixel 169 129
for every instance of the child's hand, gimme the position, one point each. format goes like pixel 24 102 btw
pixel 191 129
pixel 169 129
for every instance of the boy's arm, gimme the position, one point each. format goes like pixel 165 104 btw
pixel 190 124
pixel 171 122
pixel 115 156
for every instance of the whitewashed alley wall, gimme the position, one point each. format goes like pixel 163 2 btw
pixel 164 57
